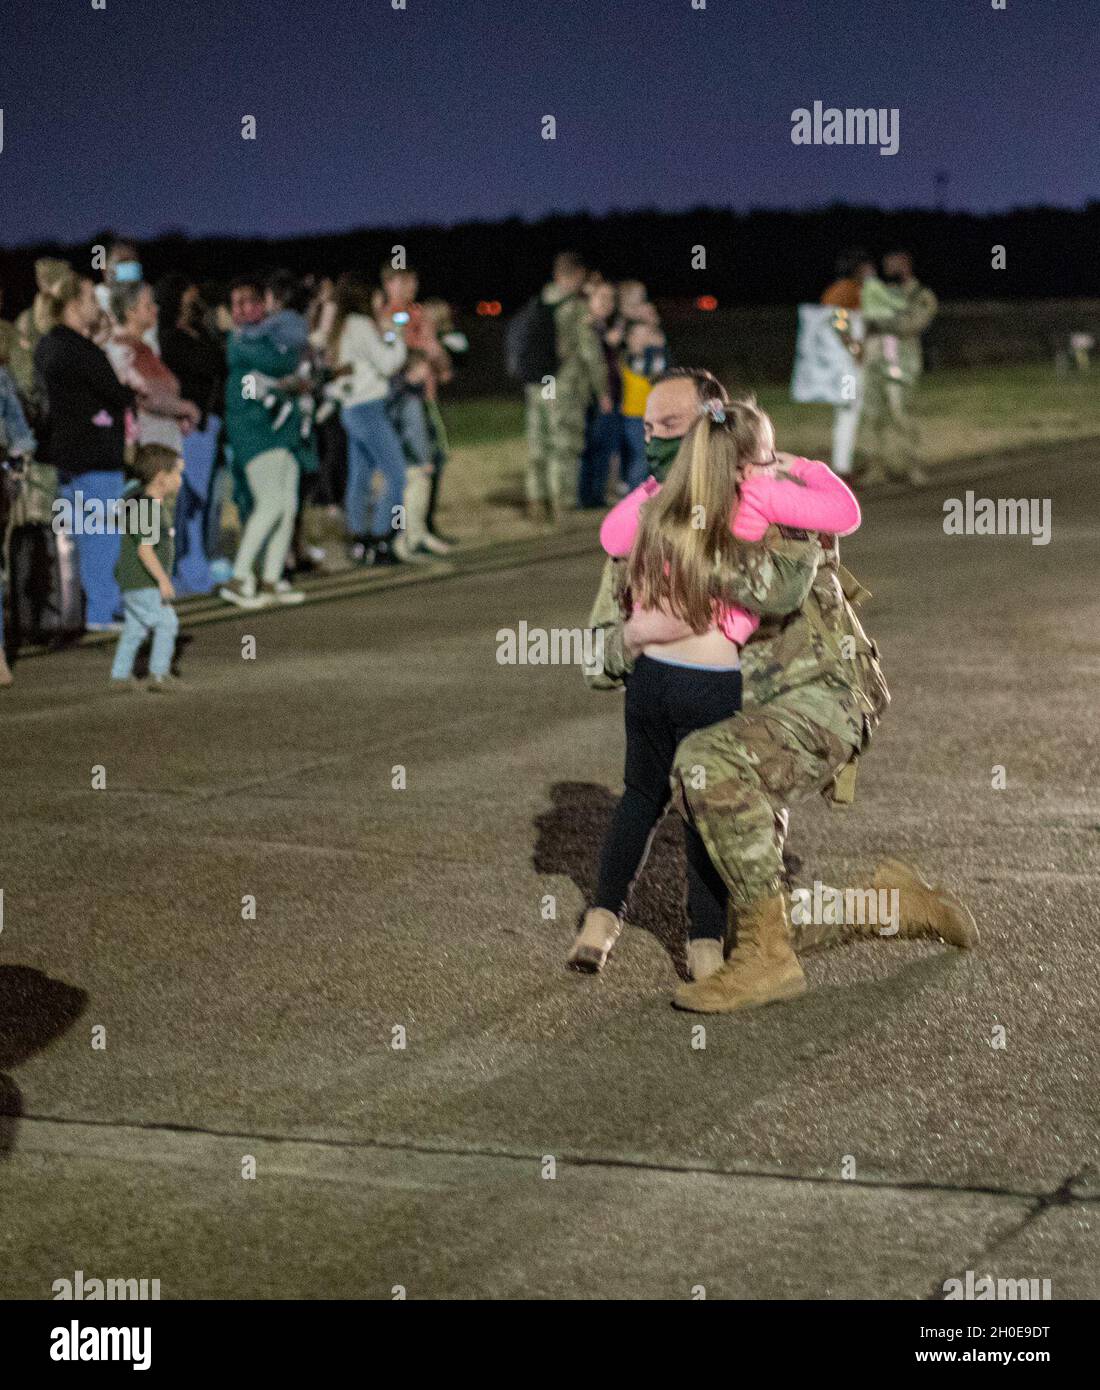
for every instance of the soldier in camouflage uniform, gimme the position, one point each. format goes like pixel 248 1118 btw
pixel 556 410
pixel 813 691
pixel 892 366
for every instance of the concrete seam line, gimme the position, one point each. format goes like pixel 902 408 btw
pixel 1059 1195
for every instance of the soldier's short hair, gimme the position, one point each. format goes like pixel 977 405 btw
pixel 707 384
pixel 569 263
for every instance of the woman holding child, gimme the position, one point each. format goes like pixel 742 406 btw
pixel 374 357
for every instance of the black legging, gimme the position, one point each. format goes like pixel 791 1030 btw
pixel 665 703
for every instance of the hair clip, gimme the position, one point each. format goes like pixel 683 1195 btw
pixel 715 409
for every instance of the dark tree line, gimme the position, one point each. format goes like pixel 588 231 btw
pixel 751 258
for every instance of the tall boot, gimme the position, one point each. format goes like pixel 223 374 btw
pixel 705 957
pixel 599 932
pixel 761 968
pixel 924 912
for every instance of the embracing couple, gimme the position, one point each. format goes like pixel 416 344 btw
pixel 750 683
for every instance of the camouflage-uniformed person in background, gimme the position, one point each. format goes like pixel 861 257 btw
pixel 892 366
pixel 555 427
pixel 813 691
pixel 23 336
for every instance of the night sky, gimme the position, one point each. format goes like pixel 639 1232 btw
pixel 130 118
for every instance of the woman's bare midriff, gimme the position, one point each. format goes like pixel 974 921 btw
pixel 710 648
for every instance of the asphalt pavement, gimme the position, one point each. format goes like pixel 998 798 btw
pixel 312 928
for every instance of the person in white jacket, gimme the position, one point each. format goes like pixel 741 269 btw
pixel 373 355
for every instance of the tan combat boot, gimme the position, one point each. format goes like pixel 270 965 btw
pixel 924 912
pixel 6 677
pixel 761 968
pixel 599 932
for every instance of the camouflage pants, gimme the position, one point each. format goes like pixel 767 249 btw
pixel 555 438
pixel 735 780
pixel 891 434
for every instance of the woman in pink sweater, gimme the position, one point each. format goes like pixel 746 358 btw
pixel 726 487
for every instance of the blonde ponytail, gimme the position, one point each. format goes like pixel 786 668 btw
pixel 684 535
pixel 58 285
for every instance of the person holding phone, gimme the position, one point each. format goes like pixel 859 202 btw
pixel 373 353
pixel 411 391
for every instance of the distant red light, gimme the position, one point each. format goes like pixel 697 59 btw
pixel 488 308
pixel 707 303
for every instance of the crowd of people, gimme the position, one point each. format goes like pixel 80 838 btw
pixel 294 390
pixel 287 390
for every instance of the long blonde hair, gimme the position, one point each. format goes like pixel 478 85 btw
pixel 684 537
pixel 58 285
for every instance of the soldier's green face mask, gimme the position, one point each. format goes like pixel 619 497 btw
pixel 659 454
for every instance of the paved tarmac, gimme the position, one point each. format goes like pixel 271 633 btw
pixel 542 1134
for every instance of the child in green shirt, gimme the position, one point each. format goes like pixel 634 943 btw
pixel 144 566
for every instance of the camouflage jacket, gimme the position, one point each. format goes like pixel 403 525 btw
pixel 921 307
pixel 582 370
pixel 818 659
pixel 772 578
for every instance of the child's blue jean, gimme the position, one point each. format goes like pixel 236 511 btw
pixel 145 612
pixel 372 444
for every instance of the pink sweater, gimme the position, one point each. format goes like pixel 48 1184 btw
pixel 810 497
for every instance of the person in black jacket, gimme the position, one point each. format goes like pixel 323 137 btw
pixel 85 435
pixel 197 358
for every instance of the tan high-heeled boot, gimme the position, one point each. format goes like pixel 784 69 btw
pixel 705 955
pixel 592 945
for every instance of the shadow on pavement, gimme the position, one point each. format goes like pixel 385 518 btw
pixel 569 839
pixel 34 1011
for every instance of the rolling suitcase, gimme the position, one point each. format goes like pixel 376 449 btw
pixel 46 600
